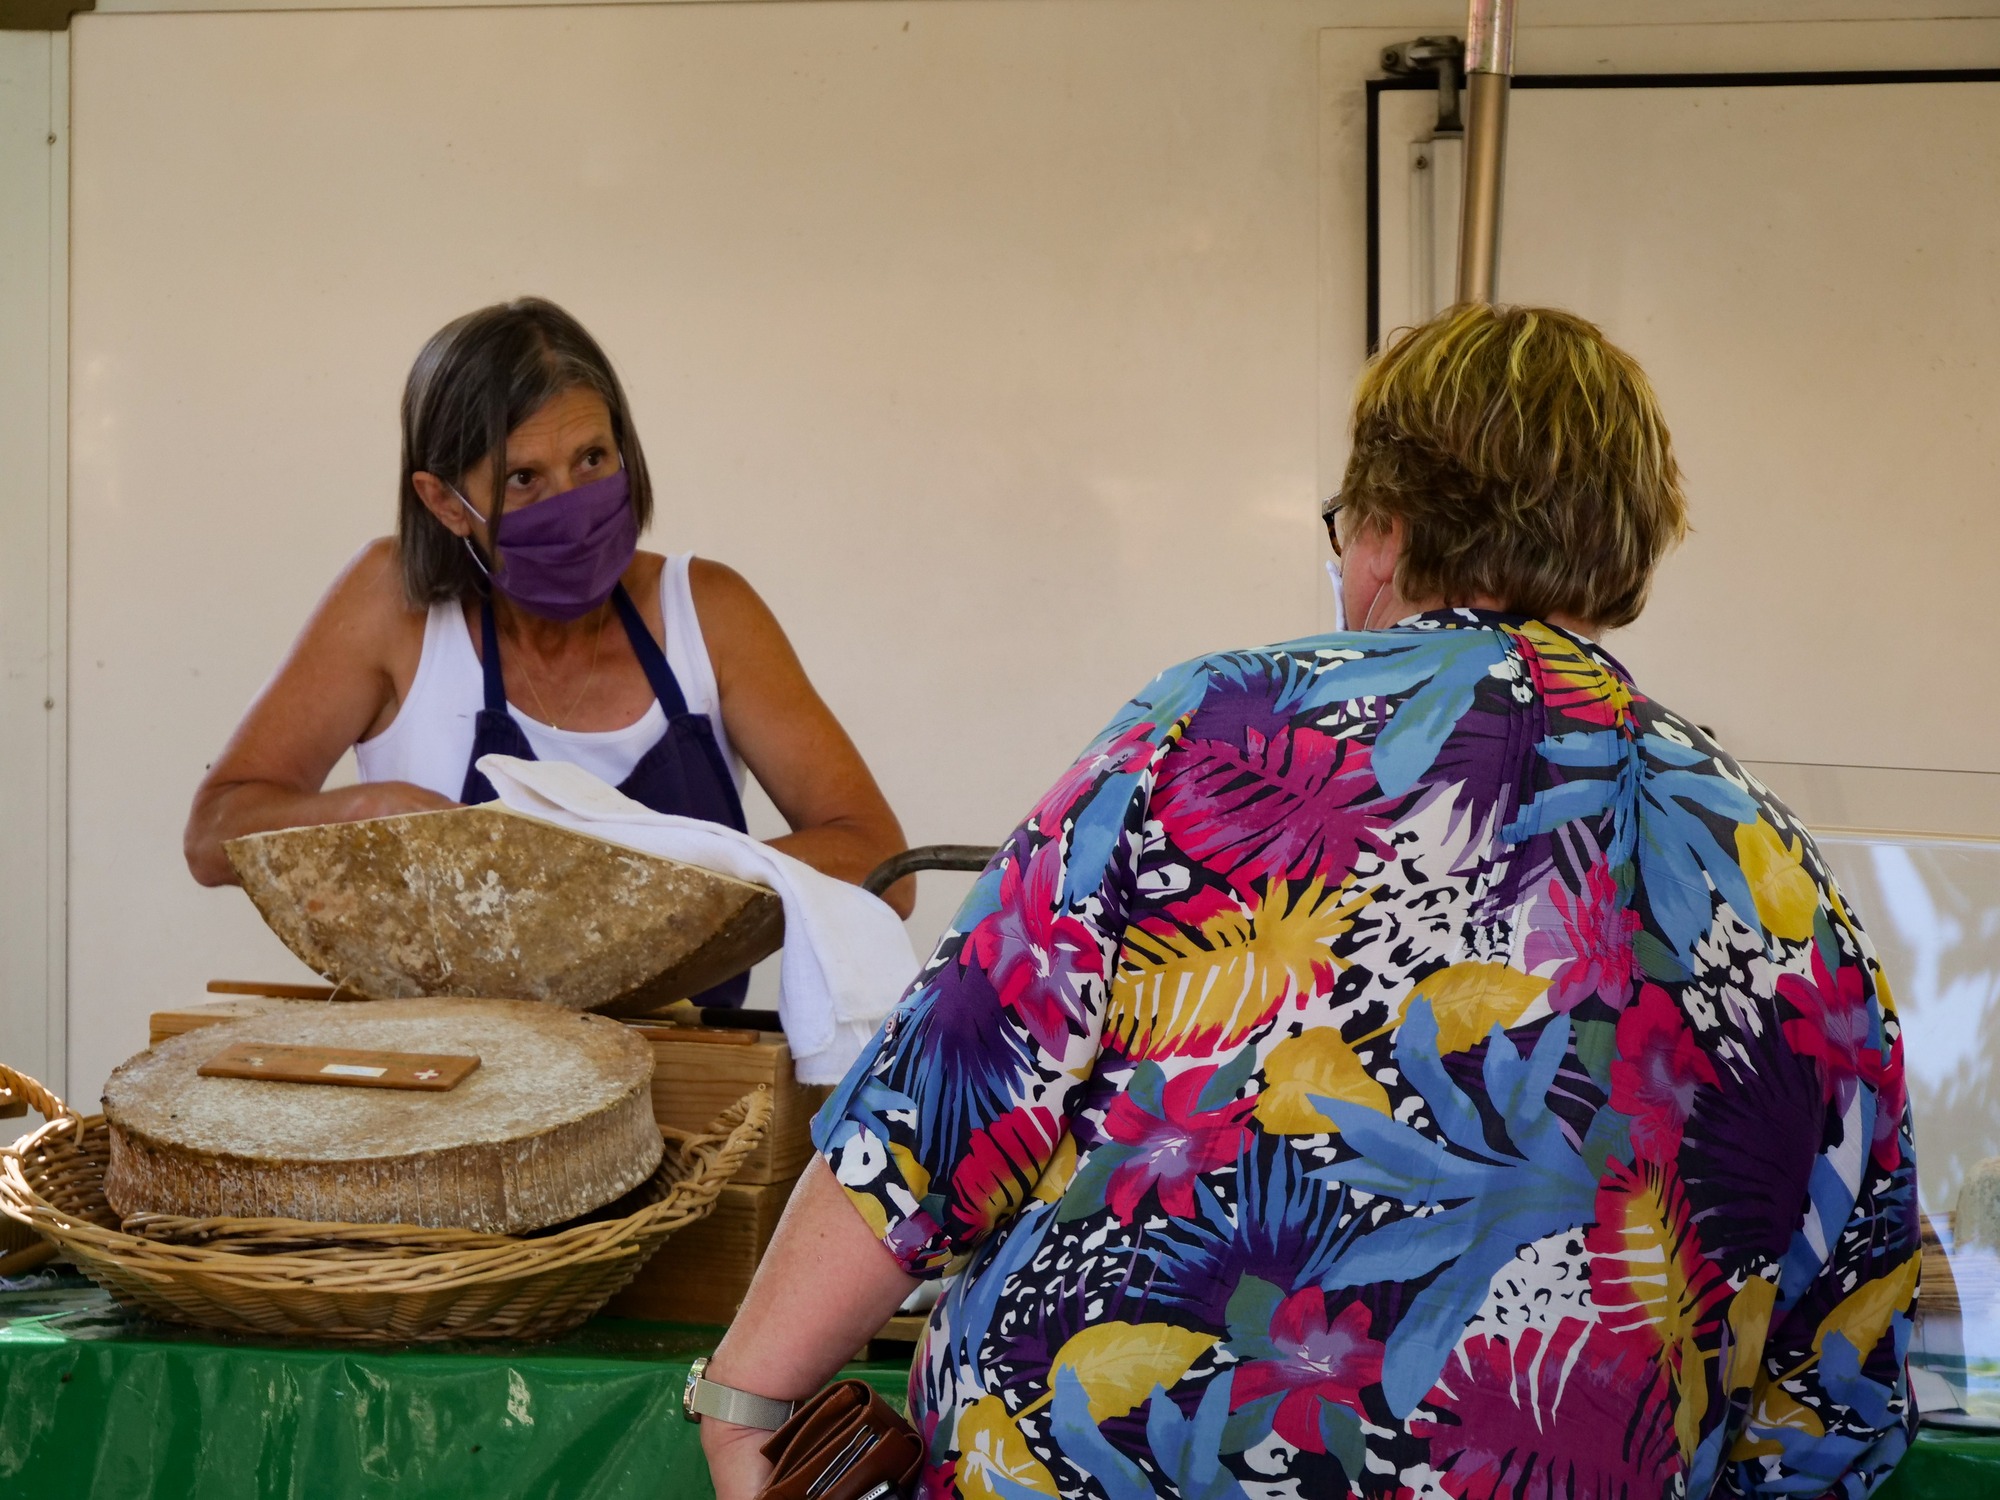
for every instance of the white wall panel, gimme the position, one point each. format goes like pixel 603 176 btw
pixel 979 337
pixel 1811 275
pixel 1003 345
pixel 34 183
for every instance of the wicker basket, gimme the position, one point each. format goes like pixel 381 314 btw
pixel 21 1249
pixel 375 1283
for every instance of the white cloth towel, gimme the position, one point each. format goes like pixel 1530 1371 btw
pixel 846 959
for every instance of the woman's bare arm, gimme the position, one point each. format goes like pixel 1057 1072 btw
pixel 790 739
pixel 332 689
pixel 823 1289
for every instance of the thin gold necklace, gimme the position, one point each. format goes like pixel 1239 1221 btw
pixel 596 645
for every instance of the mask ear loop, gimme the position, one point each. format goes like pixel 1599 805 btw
pixel 1368 620
pixel 471 550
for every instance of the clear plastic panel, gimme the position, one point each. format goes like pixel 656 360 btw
pixel 1932 907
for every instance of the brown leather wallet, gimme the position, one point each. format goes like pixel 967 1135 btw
pixel 843 1444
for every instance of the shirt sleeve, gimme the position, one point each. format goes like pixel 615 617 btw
pixel 954 1112
pixel 1828 1403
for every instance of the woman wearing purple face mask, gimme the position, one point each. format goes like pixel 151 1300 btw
pixel 513 613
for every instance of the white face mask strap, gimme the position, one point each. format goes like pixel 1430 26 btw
pixel 1367 620
pixel 1339 604
pixel 474 551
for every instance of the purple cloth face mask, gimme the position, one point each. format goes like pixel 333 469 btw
pixel 561 557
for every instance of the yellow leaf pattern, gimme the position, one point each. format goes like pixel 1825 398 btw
pixel 1317 1063
pixel 1175 991
pixel 915 1173
pixel 1055 1178
pixel 1469 1000
pixel 1749 1322
pixel 1574 674
pixel 1118 1364
pixel 871 1210
pixel 990 1446
pixel 1776 1409
pixel 1863 1315
pixel 1787 900
pixel 1656 1275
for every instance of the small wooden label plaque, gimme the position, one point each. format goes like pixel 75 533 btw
pixel 427 1072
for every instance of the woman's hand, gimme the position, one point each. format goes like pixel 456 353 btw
pixel 789 1337
pixel 735 1461
pixel 336 687
pixel 223 812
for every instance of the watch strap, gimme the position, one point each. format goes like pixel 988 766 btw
pixel 706 1398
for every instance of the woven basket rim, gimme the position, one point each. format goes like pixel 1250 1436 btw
pixel 368 1259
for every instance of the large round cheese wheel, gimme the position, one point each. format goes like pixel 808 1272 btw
pixel 557 1120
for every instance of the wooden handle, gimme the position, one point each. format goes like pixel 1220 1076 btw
pixel 271 989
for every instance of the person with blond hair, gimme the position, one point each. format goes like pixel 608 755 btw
pixel 1404 1062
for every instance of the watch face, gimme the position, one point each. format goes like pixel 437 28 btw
pixel 687 1391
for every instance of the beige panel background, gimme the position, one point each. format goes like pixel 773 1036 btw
pixel 34 439
pixel 979 338
pixel 1811 275
pixel 1002 345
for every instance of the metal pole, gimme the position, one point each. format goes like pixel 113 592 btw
pixel 1489 66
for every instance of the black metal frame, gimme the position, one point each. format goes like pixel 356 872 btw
pixel 927 857
pixel 1378 86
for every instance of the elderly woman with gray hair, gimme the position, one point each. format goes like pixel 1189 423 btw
pixel 1408 1061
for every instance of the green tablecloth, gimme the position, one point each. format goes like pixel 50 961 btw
pixel 97 1406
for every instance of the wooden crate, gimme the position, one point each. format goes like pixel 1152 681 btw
pixel 698 1072
pixel 702 1272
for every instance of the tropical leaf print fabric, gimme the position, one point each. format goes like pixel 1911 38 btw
pixel 1399 1064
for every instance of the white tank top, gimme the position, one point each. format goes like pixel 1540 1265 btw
pixel 429 741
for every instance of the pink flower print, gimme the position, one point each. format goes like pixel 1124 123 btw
pixel 1834 1026
pixel 1892 1092
pixel 1171 1149
pixel 1127 752
pixel 1653 1078
pixel 1315 1361
pixel 1036 955
pixel 1592 933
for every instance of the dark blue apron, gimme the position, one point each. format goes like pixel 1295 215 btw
pixel 682 773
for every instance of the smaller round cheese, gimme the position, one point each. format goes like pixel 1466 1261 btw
pixel 556 1120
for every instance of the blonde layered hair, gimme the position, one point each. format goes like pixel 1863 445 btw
pixel 1526 457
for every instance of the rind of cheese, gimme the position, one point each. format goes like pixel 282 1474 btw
pixel 557 1120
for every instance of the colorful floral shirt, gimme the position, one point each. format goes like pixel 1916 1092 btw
pixel 1399 1064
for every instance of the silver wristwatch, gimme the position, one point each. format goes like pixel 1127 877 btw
pixel 704 1398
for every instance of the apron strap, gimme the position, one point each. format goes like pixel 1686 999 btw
pixel 489 662
pixel 666 687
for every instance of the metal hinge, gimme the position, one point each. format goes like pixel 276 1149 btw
pixel 1442 55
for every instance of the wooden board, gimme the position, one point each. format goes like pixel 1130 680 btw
pixel 555 1122
pixel 273 988
pixel 480 901
pixel 341 1067
pixel 184 1018
pixel 697 1073
pixel 702 1273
